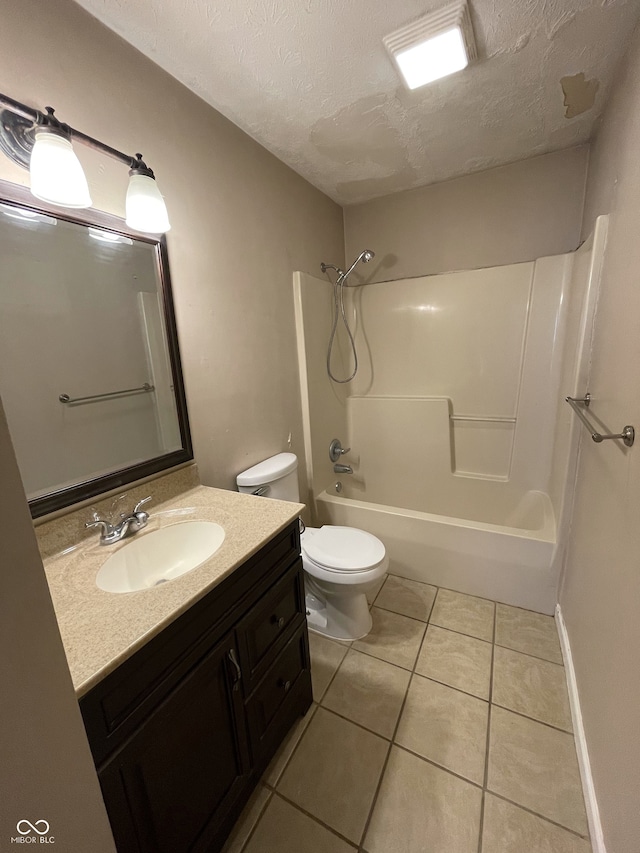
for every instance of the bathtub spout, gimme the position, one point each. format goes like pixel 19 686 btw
pixel 339 468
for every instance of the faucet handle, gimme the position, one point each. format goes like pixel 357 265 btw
pixel 106 528
pixel 336 450
pixel 144 501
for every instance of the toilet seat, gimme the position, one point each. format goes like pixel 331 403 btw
pixel 343 555
pixel 343 549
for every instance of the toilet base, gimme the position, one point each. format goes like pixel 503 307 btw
pixel 340 617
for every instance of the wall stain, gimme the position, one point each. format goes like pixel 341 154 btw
pixel 579 94
pixel 367 188
pixel 361 132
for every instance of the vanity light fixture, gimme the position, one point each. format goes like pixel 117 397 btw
pixel 56 173
pixel 144 205
pixel 43 144
pixel 434 46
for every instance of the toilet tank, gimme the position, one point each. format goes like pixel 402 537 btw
pixel 277 475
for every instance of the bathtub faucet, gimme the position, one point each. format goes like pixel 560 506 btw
pixel 339 468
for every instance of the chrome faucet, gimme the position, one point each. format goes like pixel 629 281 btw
pixel 129 523
pixel 339 468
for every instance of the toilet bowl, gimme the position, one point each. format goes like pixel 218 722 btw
pixel 341 564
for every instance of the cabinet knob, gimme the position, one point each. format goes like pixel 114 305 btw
pixel 286 685
pixel 279 621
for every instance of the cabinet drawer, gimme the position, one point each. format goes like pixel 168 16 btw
pixel 261 631
pixel 281 682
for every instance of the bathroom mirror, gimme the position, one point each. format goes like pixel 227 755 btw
pixel 90 375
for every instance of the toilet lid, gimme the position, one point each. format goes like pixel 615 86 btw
pixel 344 548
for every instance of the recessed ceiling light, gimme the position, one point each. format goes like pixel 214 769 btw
pixel 434 46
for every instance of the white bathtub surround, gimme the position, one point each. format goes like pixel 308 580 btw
pixel 462 446
pixel 588 788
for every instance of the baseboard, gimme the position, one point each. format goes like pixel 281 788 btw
pixel 591 804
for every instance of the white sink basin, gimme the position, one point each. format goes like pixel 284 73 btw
pixel 160 556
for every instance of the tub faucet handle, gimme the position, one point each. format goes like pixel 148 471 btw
pixel 336 450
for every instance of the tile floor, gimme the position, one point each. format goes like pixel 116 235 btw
pixel 446 730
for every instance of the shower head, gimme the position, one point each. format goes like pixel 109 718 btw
pixel 365 257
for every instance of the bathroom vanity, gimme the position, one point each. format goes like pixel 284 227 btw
pixel 184 721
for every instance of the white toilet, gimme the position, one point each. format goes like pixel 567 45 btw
pixel 341 564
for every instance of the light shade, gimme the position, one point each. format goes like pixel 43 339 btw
pixel 145 207
pixel 56 173
pixel 434 46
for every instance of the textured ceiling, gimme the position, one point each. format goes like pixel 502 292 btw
pixel 311 81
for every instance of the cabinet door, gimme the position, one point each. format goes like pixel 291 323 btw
pixel 169 789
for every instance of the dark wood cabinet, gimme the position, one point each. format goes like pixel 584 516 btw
pixel 183 730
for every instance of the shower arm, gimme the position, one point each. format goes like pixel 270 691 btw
pixel 324 267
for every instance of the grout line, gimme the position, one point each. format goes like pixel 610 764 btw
pixel 384 767
pixel 395 613
pixel 317 820
pixel 533 719
pixel 398 613
pixel 433 763
pixel 433 604
pixel 537 814
pixel 529 655
pixel 294 750
pixel 481 826
pixel 470 595
pixel 330 682
pixel 384 660
pixel 381 587
pixel 453 687
pixel 375 797
pixel 355 723
pixel 259 818
pixel 537 657
pixel 488 741
pixel 461 633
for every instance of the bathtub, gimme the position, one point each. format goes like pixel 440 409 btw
pixel 506 551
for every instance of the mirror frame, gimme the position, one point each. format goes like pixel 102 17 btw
pixel 19 196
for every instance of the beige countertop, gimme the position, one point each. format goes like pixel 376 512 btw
pixel 100 629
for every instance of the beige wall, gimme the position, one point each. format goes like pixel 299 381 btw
pixel 242 221
pixel 600 596
pixel 501 216
pixel 47 771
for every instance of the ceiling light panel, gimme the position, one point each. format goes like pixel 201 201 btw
pixel 434 46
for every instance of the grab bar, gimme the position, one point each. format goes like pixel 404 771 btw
pixel 627 435
pixel 144 389
pixel 489 419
